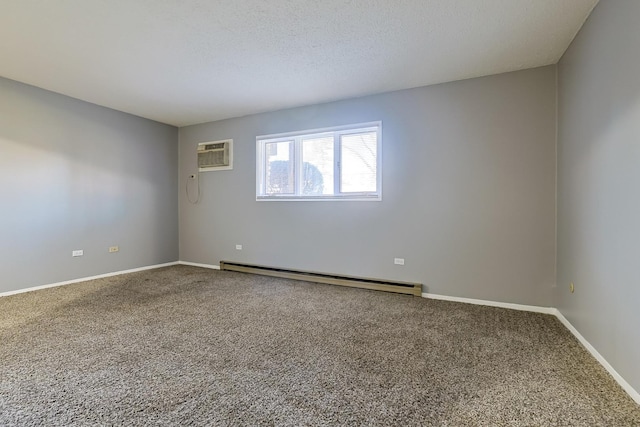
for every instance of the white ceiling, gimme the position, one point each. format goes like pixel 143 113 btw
pixel 190 61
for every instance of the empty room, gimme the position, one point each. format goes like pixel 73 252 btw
pixel 288 212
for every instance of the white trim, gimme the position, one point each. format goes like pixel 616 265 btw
pixel 318 199
pixel 329 129
pixel 521 307
pixel 555 229
pixel 84 279
pixel 102 276
pixel 296 152
pixel 616 376
pixel 554 312
pixel 195 264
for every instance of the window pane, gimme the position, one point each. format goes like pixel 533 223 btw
pixel 317 166
pixel 358 162
pixel 340 163
pixel 279 168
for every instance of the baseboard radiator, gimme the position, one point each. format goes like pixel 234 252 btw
pixel 330 279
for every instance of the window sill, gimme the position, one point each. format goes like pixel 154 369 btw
pixel 372 198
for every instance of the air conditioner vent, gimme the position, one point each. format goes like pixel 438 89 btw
pixel 216 155
pixel 216 146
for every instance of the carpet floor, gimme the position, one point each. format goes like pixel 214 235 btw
pixel 189 346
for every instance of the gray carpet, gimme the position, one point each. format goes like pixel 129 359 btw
pixel 189 346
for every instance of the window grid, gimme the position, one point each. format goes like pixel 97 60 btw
pixel 302 166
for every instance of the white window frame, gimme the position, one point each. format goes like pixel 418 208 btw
pixel 297 137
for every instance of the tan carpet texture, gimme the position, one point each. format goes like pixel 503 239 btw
pixel 190 346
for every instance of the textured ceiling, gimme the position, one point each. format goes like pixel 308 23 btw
pixel 190 61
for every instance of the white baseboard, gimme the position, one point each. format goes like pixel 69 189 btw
pixel 195 264
pixel 521 307
pixel 555 312
pixel 625 385
pixel 101 276
pixel 84 279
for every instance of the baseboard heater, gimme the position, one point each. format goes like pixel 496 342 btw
pixel 331 279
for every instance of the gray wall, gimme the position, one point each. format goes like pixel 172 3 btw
pixel 77 176
pixel 599 184
pixel 468 192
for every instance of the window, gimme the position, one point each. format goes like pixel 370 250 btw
pixel 342 163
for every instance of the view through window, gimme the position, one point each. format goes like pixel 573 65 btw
pixel 327 164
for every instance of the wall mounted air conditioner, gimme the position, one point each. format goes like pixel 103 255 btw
pixel 215 155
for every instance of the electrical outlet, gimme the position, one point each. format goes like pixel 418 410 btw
pixel 239 247
pixel 78 252
pixel 113 249
pixel 398 261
